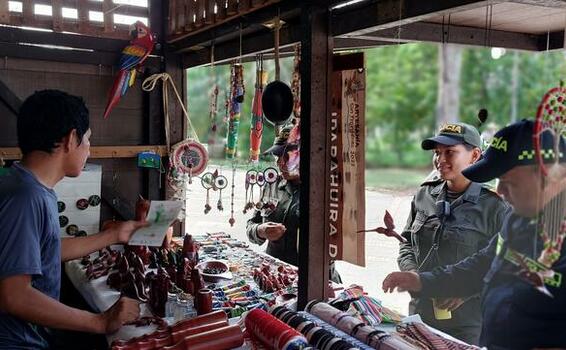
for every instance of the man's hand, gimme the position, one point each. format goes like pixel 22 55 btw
pixel 449 304
pixel 123 311
pixel 404 282
pixel 271 231
pixel 121 231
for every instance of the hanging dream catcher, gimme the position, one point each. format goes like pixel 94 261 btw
pixel 551 119
pixel 260 183
pixel 188 158
pixel 548 142
pixel 207 182
pixel 272 179
pixel 251 181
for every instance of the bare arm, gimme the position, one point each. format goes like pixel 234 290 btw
pixel 20 299
pixel 115 233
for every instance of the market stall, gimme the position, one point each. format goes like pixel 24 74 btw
pixel 143 142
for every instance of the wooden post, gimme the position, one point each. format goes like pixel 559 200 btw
pixel 316 68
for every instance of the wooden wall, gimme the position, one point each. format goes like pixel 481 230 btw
pixel 126 125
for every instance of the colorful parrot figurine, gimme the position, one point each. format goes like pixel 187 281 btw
pixel 132 58
pixel 388 230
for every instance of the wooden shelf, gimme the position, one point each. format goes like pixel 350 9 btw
pixel 96 152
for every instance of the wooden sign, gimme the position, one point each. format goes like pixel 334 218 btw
pixel 345 202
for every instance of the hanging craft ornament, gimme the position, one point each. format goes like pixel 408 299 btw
pixel 236 99
pixel 260 183
pixel 207 182
pixel 277 99
pixel 213 104
pixel 272 178
pixel 133 56
pixel 232 221
pixel 551 121
pixel 388 230
pixel 296 82
pixel 220 183
pixel 251 180
pixel 257 111
pixel 212 112
pixel 188 158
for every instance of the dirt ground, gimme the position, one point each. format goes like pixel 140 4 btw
pixel 381 252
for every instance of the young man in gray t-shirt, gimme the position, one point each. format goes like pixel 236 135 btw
pixel 53 135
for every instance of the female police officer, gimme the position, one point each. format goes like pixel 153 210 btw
pixel 451 218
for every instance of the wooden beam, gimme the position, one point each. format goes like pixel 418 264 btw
pixel 97 152
pixel 316 68
pixel 10 99
pixel 552 41
pixel 374 15
pixel 251 45
pixel 17 35
pixel 48 54
pixel 433 32
pixel 542 3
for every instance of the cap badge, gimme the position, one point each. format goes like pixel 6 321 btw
pixel 452 128
pixel 499 143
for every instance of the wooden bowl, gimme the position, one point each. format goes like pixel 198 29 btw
pixel 214 271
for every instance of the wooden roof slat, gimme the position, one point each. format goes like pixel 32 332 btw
pixel 122 9
pixel 57 15
pixel 201 8
pixel 27 12
pixel 181 15
pixel 82 14
pixel 244 5
pixel 210 15
pixel 220 10
pixel 4 12
pixel 232 8
pixel 190 13
pixel 108 13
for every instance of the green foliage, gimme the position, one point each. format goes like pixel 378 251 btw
pixel 402 84
pixel 401 97
pixel 200 81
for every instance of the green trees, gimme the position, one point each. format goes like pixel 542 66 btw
pixel 402 84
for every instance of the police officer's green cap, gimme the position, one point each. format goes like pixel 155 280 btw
pixel 280 144
pixel 454 134
pixel 510 147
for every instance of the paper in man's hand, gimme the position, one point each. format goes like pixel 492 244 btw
pixel 160 216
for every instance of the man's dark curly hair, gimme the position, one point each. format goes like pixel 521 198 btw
pixel 47 116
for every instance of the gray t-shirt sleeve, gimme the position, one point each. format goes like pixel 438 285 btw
pixel 19 235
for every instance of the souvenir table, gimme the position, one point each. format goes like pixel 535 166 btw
pixel 234 290
pixel 241 280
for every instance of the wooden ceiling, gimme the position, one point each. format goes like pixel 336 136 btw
pixel 510 17
pixel 534 25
